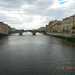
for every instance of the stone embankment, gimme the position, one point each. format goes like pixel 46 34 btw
pixel 63 34
pixel 68 37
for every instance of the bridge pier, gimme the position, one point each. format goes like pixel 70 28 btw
pixel 20 33
pixel 34 33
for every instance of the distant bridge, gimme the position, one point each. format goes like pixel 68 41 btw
pixel 32 31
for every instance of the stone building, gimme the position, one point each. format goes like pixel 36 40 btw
pixel 0 30
pixel 68 24
pixel 73 24
pixel 54 27
pixel 47 28
pixel 59 26
pixel 42 29
pixel 51 23
pixel 9 29
pixel 13 29
pixel 4 28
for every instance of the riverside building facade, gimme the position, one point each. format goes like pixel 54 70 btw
pixel 0 30
pixel 67 25
pixel 4 28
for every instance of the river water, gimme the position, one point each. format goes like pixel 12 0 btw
pixel 36 55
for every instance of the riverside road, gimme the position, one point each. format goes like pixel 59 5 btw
pixel 36 55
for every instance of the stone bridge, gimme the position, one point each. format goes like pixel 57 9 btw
pixel 32 31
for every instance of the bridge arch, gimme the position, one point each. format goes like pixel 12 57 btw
pixel 32 31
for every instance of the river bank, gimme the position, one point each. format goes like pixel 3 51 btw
pixel 3 35
pixel 68 37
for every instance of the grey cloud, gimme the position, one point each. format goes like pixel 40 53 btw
pixel 9 20
pixel 39 7
pixel 14 3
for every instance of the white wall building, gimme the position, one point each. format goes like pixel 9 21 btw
pixel 42 29
pixel 13 29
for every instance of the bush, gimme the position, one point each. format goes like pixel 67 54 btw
pixel 58 36
pixel 72 39
pixel 2 35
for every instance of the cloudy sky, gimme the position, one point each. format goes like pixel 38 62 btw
pixel 32 14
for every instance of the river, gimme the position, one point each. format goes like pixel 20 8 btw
pixel 36 55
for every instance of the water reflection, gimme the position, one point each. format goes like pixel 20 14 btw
pixel 67 43
pixel 4 40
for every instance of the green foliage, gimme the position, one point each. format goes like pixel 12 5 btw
pixel 2 35
pixel 71 39
pixel 58 36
